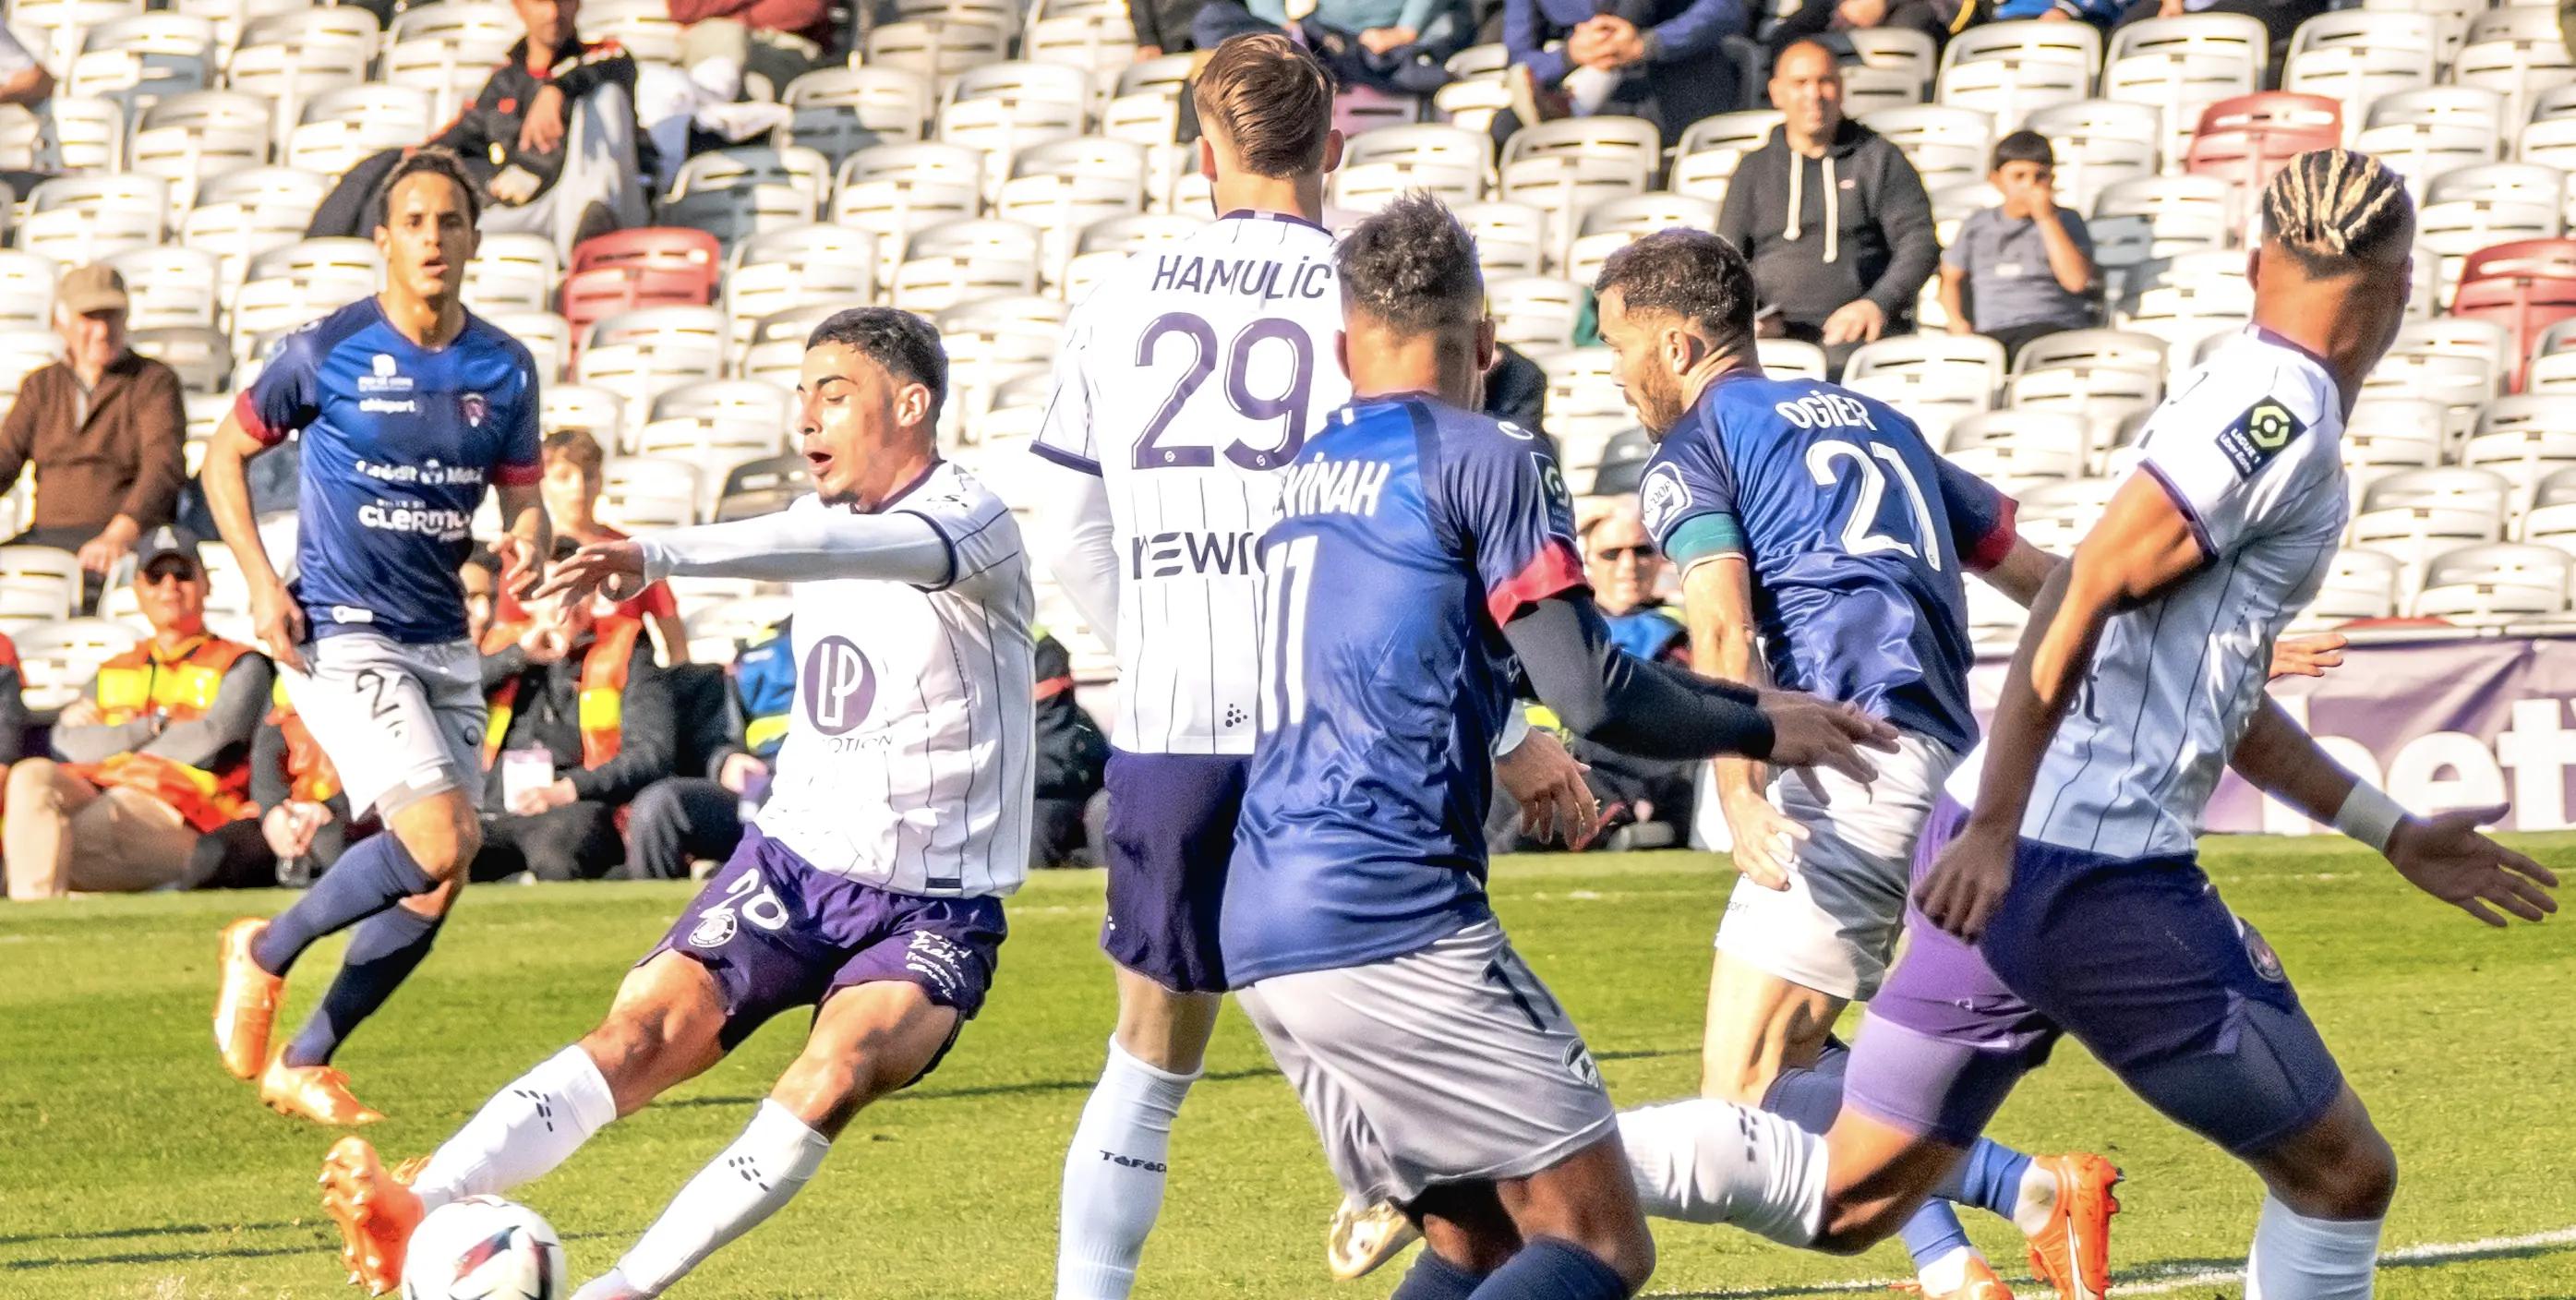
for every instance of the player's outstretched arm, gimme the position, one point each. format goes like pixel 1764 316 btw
pixel 226 476
pixel 2443 855
pixel 1612 698
pixel 2143 545
pixel 790 546
pixel 1717 606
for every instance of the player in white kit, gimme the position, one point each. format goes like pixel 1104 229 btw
pixel 2072 901
pixel 871 886
pixel 1188 379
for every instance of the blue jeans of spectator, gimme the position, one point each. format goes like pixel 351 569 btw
pixel 1416 69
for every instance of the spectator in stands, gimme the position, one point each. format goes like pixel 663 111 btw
pixel 581 721
pixel 24 82
pixel 1831 215
pixel 1661 60
pixel 2280 18
pixel 154 754
pixel 1644 803
pixel 1163 27
pixel 102 428
pixel 683 818
pixel 774 40
pixel 551 141
pixel 2025 268
pixel 1400 47
pixel 1073 762
pixel 1826 20
pixel 576 473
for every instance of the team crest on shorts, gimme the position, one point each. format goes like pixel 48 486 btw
pixel 713 929
pixel 2258 950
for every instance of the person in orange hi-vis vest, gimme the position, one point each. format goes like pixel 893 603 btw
pixel 581 721
pixel 153 755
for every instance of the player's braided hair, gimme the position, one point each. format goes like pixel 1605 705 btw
pixel 1412 266
pixel 2333 207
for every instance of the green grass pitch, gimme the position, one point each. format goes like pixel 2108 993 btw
pixel 132 1166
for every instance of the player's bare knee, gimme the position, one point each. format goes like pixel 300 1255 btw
pixel 442 833
pixel 2360 1182
pixel 827 1091
pixel 1628 1248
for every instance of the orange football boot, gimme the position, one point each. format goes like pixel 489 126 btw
pixel 2073 1253
pixel 245 1000
pixel 315 1092
pixel 376 1212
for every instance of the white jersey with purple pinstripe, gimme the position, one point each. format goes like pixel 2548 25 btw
pixel 1188 379
pixel 909 750
pixel 2249 449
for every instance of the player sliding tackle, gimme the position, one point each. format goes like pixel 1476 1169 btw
pixel 408 406
pixel 872 883
pixel 1424 560
pixel 1817 522
pixel 2072 901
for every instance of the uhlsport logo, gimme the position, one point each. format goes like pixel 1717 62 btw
pixel 840 685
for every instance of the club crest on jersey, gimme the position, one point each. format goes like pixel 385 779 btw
pixel 1662 498
pixel 2258 435
pixel 475 408
pixel 840 685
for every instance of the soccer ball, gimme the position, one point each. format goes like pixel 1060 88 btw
pixel 483 1248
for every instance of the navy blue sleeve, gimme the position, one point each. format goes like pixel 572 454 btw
pixel 1687 497
pixel 287 395
pixel 1980 517
pixel 521 463
pixel 1502 501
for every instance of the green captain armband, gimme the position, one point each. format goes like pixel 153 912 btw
pixel 1704 537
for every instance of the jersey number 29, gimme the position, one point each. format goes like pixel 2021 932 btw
pixel 1291 404
pixel 1823 464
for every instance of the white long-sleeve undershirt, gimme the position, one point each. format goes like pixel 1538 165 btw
pixel 803 546
pixel 1073 530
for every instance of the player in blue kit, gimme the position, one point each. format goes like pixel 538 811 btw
pixel 1819 524
pixel 410 408
pixel 1423 563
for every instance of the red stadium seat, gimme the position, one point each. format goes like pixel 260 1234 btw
pixel 2249 137
pixel 2525 286
pixel 604 290
pixel 669 248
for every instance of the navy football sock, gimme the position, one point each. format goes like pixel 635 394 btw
pixel 1933 1232
pixel 381 955
pixel 1810 1097
pixel 1434 1278
pixel 372 876
pixel 1990 1179
pixel 1550 1269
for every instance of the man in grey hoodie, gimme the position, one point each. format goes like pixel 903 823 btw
pixel 1831 215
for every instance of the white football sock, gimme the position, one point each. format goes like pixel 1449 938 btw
pixel 1708 1161
pixel 2035 1203
pixel 763 1168
pixel 2299 1258
pixel 1940 1277
pixel 1113 1177
pixel 524 1131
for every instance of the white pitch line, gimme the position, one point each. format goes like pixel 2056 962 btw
pixel 2163 1279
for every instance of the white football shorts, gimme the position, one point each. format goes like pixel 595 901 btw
pixel 401 722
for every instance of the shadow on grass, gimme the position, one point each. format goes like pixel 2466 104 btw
pixel 156 1230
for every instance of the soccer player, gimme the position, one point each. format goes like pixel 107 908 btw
pixel 1817 521
pixel 409 407
pixel 872 886
pixel 2082 908
pixel 1187 382
pixel 1424 559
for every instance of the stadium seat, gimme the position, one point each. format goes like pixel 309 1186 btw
pixel 342 128
pixel 88 218
pixel 1947 145
pixel 798 267
pixel 2428 132
pixel 1710 149
pixel 512 272
pixel 2494 585
pixel 841 110
pixel 293 56
pixel 2026 447
pixel 594 411
pixel 2098 143
pixel 79 135
pixel 2524 438
pixel 169 286
pixel 2357 56
pixel 2527 286
pixel 945 265
pixel 1790 358
pixel 26 290
pixel 2360 584
pixel 548 338
pixel 2138 221
pixel 58 659
pixel 138 60
pixel 1608 227
pixel 2417 514
pixel 762 486
pixel 2006 70
pixel 2245 139
pixel 936 50
pixel 2177 66
pixel 652 267
pixel 1534 312
pixel 2386 434
pixel 1934 379
pixel 1059 205
pixel 2520 58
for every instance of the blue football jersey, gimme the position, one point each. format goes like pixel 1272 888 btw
pixel 1857 534
pixel 398 445
pixel 1409 533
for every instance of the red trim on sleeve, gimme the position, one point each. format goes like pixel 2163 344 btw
pixel 1556 569
pixel 1991 549
pixel 517 475
pixel 246 414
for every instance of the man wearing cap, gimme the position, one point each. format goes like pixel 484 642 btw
pixel 102 429
pixel 153 754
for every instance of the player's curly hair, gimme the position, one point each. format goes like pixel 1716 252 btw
pixel 1413 266
pixel 2334 208
pixel 905 344
pixel 1693 274
pixel 1269 99
pixel 430 160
